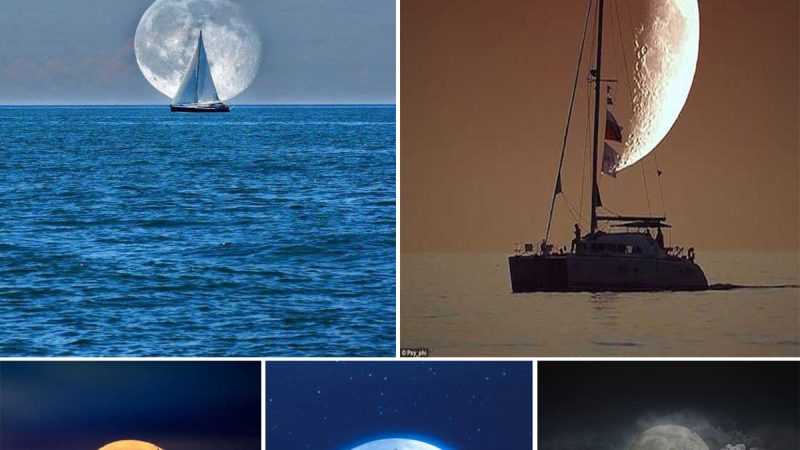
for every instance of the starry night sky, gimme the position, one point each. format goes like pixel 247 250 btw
pixel 454 405
pixel 604 405
pixel 85 405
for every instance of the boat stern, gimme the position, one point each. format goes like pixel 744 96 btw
pixel 695 277
pixel 535 273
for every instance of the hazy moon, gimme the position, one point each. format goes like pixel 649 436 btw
pixel 668 437
pixel 167 36
pixel 667 45
pixel 396 444
pixel 130 445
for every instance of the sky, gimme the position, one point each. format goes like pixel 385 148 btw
pixel 454 405
pixel 174 405
pixel 485 90
pixel 605 405
pixel 81 52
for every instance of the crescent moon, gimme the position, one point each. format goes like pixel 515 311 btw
pixel 667 48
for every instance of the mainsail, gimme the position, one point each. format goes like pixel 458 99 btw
pixel 197 85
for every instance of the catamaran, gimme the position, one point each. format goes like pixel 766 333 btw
pixel 197 92
pixel 611 260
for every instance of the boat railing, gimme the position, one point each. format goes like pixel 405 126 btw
pixel 676 252
pixel 529 249
pixel 523 249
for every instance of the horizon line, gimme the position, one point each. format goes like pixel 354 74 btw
pixel 14 105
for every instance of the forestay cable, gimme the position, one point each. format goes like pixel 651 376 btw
pixel 558 187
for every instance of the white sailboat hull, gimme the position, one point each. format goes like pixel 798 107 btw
pixel 217 107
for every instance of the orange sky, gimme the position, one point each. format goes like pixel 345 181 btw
pixel 484 89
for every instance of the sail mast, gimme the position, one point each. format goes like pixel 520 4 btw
pixel 598 76
pixel 197 69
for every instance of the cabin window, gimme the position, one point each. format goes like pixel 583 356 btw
pixel 637 250
pixel 629 249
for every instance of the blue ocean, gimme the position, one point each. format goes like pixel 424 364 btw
pixel 133 231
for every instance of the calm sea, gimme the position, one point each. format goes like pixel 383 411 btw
pixel 269 231
pixel 462 305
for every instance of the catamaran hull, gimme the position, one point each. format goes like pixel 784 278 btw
pixel 199 109
pixel 572 273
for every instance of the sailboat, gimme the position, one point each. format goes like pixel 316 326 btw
pixel 197 92
pixel 612 260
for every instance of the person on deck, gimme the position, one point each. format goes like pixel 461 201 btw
pixel 660 238
pixel 577 239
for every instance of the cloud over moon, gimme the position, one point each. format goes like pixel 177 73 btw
pixel 725 434
pixel 718 433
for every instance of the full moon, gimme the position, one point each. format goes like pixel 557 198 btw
pixel 130 445
pixel 396 444
pixel 667 47
pixel 167 36
pixel 668 437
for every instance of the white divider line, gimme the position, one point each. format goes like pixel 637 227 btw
pixel 535 380
pixel 263 405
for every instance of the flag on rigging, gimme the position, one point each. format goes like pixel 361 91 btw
pixel 610 161
pixel 558 184
pixel 613 130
